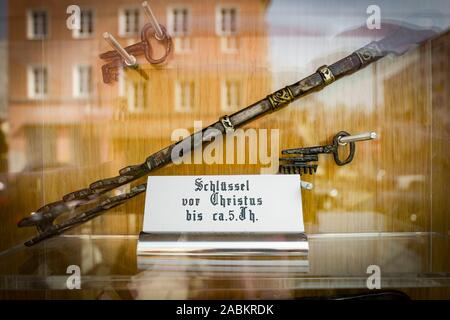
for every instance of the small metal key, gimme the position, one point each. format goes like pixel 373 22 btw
pixel 303 162
pixel 110 70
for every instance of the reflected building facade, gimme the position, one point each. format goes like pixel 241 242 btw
pixel 62 114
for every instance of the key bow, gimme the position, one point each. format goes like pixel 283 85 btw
pixel 110 70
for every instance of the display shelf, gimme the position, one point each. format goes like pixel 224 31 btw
pixel 336 261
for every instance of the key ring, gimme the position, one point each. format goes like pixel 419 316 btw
pixel 148 51
pixel 336 144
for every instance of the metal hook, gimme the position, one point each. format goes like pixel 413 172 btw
pixel 130 60
pixel 306 185
pixel 343 140
pixel 159 34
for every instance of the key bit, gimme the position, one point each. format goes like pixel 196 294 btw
pixel 298 169
pixel 54 229
pixel 304 158
pixel 44 217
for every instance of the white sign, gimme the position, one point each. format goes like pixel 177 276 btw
pixel 238 203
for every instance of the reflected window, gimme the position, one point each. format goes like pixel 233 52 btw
pixel 178 21
pixel 37 24
pixel 184 95
pixel 137 94
pixel 178 24
pixel 82 81
pixel 129 21
pixel 227 21
pixel 37 82
pixel 230 95
pixel 86 24
pixel 226 28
